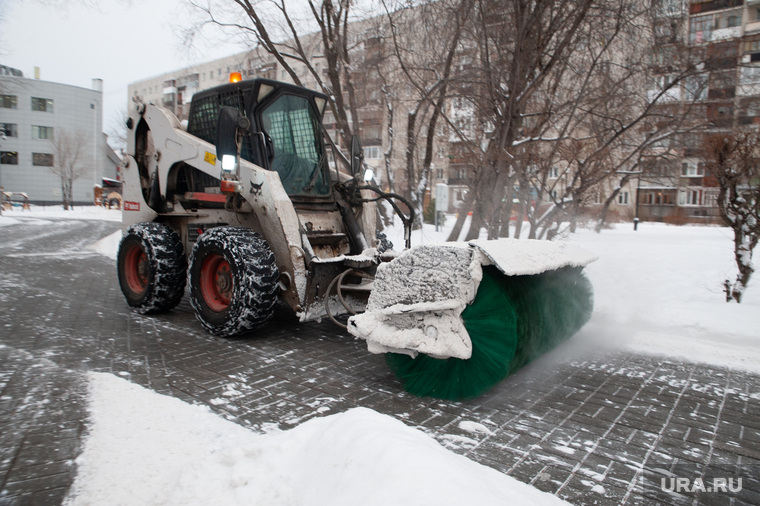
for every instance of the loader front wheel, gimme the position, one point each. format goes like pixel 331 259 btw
pixel 152 268
pixel 233 280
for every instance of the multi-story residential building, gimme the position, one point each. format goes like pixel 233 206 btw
pixel 722 41
pixel 32 113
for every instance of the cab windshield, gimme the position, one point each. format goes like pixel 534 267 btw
pixel 299 159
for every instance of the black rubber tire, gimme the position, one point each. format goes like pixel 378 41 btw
pixel 152 267
pixel 244 262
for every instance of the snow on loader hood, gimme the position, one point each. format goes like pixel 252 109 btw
pixel 418 298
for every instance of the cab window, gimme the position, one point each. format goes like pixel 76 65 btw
pixel 299 159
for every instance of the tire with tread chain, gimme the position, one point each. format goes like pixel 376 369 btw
pixel 152 267
pixel 232 277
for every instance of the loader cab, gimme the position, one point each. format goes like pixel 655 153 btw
pixel 285 134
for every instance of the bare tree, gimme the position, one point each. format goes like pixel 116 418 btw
pixel 733 158
pixel 67 164
pixel 569 91
pixel 425 39
pixel 318 43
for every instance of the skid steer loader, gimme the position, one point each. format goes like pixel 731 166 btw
pixel 248 203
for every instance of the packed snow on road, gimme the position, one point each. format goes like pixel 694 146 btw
pixel 657 291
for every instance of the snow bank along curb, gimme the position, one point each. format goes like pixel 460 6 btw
pixel 146 448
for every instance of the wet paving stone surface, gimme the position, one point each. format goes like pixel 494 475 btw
pixel 591 427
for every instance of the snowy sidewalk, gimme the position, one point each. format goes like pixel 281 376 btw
pixel 588 424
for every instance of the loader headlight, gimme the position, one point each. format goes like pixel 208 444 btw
pixel 228 163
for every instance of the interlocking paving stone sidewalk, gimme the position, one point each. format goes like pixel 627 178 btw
pixel 590 427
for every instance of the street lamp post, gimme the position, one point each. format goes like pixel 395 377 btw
pixel 94 107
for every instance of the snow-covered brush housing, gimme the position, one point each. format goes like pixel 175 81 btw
pixel 479 310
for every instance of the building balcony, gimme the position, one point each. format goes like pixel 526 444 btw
pixel 726 33
pixel 753 26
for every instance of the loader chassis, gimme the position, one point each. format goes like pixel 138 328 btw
pixel 285 205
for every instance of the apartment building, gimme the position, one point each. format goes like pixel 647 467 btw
pixel 722 40
pixel 32 113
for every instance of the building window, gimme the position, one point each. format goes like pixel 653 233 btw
pixel 43 104
pixel 554 173
pixel 623 198
pixel 372 152
pixel 700 29
pixel 752 46
pixel 42 132
pixel 689 198
pixel 371 133
pixel 710 198
pixel 42 159
pixel 8 101
pixel 9 157
pixel 9 129
pixel 692 170
pixel 657 198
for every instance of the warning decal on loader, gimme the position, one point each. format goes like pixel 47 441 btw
pixel 131 206
pixel 210 158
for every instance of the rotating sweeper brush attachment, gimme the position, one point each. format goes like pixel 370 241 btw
pixel 455 319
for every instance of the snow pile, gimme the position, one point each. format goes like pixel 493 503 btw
pixel 659 290
pixel 145 448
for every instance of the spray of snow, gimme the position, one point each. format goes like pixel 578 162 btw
pixel 145 448
pixel 108 246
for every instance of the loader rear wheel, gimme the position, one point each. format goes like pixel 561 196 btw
pixel 152 268
pixel 233 280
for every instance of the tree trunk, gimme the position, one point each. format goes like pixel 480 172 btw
pixel 464 210
pixel 411 146
pixel 606 208
pixel 743 248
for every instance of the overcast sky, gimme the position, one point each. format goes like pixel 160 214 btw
pixel 119 41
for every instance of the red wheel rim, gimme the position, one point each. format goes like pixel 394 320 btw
pixel 136 269
pixel 216 282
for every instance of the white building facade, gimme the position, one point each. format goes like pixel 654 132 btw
pixel 32 112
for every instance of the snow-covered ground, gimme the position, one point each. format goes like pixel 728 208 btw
pixel 657 290
pixel 42 214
